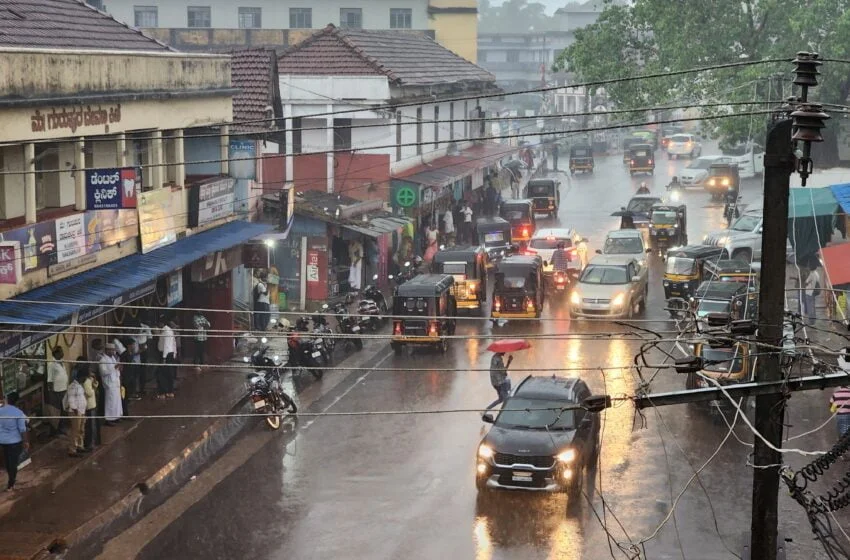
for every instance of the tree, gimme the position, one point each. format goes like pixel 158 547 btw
pixel 514 16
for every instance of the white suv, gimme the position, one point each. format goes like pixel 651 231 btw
pixel 684 145
pixel 743 238
pixel 545 241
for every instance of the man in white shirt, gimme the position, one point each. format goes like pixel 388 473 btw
pixel 261 303
pixel 57 384
pixel 166 373
pixel 111 377
pixel 449 226
pixel 466 213
pixel 809 292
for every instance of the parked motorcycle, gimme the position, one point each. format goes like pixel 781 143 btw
pixel 268 397
pixel 306 350
pixel 323 329
pixel 347 324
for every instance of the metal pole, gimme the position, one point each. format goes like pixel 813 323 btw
pixel 778 166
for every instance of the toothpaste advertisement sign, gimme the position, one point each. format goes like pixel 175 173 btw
pixel 112 189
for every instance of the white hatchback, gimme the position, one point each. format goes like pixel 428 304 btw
pixel 545 241
pixel 695 173
pixel 684 145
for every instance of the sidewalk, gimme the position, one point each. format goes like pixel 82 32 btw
pixel 64 501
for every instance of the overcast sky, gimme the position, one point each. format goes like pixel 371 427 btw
pixel 551 5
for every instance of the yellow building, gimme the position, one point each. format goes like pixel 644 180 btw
pixel 455 25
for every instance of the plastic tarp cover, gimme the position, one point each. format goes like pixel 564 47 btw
pixel 808 202
pixel 811 219
pixel 842 196
pixel 836 260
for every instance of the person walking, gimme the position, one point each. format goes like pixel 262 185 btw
pixel 144 340
pixel 466 212
pixel 14 437
pixel 810 290
pixel 201 326
pixel 166 373
pixel 110 374
pixel 75 406
pixel 91 436
pixel 840 406
pixel 449 226
pixel 490 197
pixel 261 303
pixel 499 378
pixel 57 384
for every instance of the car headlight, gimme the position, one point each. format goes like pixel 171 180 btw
pixel 666 283
pixel 264 340
pixel 485 451
pixel 567 456
pixel 575 298
pixel 723 241
pixel 705 238
pixel 618 300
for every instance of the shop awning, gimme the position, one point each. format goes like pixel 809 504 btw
pixel 836 261
pixel 379 226
pixel 448 169
pixel 842 195
pixel 810 202
pixel 120 281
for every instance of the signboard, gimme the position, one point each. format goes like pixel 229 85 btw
pixel 10 262
pixel 243 159
pixel 156 221
pixel 255 255
pixel 312 266
pixel 175 287
pixel 405 195
pixel 112 188
pixel 70 237
pixel 211 200
pixel 217 263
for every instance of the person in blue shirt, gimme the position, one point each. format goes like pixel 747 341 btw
pixel 13 436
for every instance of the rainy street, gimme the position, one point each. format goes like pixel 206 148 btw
pixel 402 486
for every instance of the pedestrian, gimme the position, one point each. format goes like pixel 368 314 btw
pixel 839 405
pixel 555 153
pixel 514 177
pixel 110 375
pixel 13 435
pixel 131 365
pixel 75 406
pixel 261 303
pixel 166 374
pixel 201 326
pixel 466 212
pixel 90 389
pixel 449 226
pixel 499 378
pixel 144 340
pixel 57 384
pixel 810 291
pixel 490 196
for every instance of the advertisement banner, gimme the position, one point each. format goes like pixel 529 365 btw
pixel 70 237
pixel 105 228
pixel 38 244
pixel 156 222
pixel 211 200
pixel 10 262
pixel 112 188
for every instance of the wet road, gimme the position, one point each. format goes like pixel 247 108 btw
pixel 388 487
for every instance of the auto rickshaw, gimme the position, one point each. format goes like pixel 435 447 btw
pixel 735 270
pixel 724 361
pixel 494 234
pixel 641 159
pixel 581 159
pixel 518 291
pixel 425 312
pixel 721 178
pixel 545 195
pixel 468 266
pixel 668 226
pixel 628 142
pixel 520 214
pixel 648 136
pixel 723 298
pixel 684 269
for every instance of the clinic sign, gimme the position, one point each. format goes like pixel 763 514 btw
pixel 112 188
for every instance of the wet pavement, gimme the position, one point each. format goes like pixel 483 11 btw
pixel 402 486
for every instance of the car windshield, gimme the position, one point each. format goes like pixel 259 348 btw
pixel 539 190
pixel 535 414
pixel 549 243
pixel 604 275
pixel 723 360
pixel 700 164
pixel 622 246
pixel 642 205
pixel 680 265
pixel 495 237
pixel 663 218
pixel 746 223
pixel 707 306
pixel 680 138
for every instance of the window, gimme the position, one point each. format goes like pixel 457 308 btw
pixel 400 18
pixel 419 131
pixel 513 56
pixel 198 16
pixel 342 134
pixel 146 16
pixel 250 18
pixel 351 18
pixel 436 126
pixel 301 18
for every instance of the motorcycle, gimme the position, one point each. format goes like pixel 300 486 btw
pixel 372 292
pixel 369 315
pixel 321 327
pixel 268 397
pixel 306 351
pixel 346 324
pixel 730 208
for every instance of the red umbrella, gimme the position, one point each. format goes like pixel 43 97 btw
pixel 509 345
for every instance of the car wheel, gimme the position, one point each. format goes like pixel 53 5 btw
pixel 642 304
pixel 743 254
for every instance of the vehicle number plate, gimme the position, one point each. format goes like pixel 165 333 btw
pixel 560 287
pixel 259 404
pixel 522 476
pixel 316 354
pixel 355 329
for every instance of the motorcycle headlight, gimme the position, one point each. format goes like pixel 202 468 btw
pixel 618 300
pixel 485 451
pixel 264 340
pixel 566 456
pixel 276 359
pixel 575 298
pixel 246 359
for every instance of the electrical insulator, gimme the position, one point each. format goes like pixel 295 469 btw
pixel 806 69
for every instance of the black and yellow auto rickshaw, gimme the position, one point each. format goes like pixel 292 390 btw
pixel 425 312
pixel 730 299
pixel 668 226
pixel 518 291
pixel 722 178
pixel 641 159
pixel 735 270
pixel 581 159
pixel 494 234
pixel 684 269
pixel 725 362
pixel 628 142
pixel 545 195
pixel 468 266
pixel 520 214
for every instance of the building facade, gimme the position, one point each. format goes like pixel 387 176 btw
pixel 217 24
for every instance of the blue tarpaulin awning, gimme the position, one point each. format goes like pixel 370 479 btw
pixel 120 281
pixel 806 202
pixel 842 195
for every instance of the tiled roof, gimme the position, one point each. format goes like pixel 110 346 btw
pixel 252 71
pixel 406 59
pixel 67 24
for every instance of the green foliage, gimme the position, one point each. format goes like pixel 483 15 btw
pixel 514 16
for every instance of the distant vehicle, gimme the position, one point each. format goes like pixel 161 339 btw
pixel 749 158
pixel 684 145
pixel 641 206
pixel 695 173
pixel 669 130
pixel 545 241
pixel 625 243
pixel 538 444
pixel 610 287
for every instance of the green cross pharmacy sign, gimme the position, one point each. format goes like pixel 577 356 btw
pixel 405 195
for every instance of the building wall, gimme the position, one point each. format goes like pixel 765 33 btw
pixel 458 32
pixel 362 176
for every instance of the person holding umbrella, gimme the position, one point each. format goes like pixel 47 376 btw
pixel 499 369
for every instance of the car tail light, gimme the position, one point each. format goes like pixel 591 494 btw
pixel 397 327
pixel 497 303
pixel 530 251
pixel 432 328
pixel 633 162
pixel 559 278
pixel 529 304
pixel 650 162
pixel 525 232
